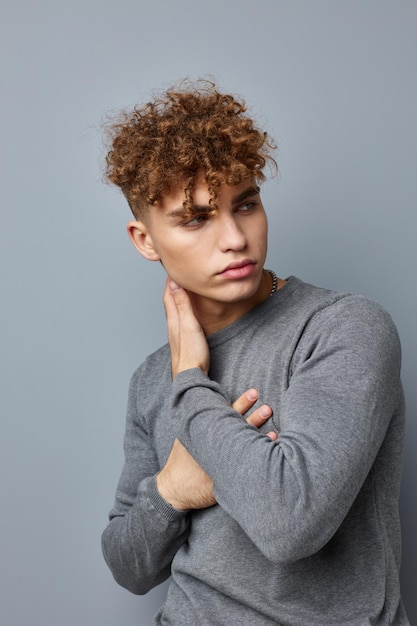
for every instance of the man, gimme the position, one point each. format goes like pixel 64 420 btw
pixel 289 516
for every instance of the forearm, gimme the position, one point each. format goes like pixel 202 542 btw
pixel 289 496
pixel 140 543
pixel 241 462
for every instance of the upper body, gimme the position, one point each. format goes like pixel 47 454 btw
pixel 306 528
pixel 263 443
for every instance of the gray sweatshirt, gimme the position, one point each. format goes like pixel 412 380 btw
pixel 306 530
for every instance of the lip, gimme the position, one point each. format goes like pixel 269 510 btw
pixel 238 269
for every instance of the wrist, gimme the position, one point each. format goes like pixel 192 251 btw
pixel 167 491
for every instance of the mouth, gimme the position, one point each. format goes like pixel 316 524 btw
pixel 238 269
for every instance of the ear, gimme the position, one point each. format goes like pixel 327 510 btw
pixel 141 238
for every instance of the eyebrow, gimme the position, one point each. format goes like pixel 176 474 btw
pixel 253 190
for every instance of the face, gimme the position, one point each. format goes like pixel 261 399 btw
pixel 217 257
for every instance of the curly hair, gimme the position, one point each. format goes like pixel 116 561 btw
pixel 188 132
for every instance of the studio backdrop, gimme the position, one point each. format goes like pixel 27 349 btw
pixel 334 82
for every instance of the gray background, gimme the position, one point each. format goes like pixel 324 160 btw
pixel 334 82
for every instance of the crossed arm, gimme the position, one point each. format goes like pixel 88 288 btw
pixel 333 417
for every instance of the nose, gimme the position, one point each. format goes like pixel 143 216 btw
pixel 230 235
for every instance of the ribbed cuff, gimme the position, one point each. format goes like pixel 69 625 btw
pixel 161 505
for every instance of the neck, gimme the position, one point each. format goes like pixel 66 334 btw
pixel 213 315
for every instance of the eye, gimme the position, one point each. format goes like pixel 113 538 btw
pixel 247 206
pixel 197 220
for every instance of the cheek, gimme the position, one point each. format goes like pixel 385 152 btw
pixel 260 231
pixel 181 264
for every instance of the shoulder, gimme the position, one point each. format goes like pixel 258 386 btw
pixel 326 305
pixel 308 307
pixel 355 315
pixel 357 327
pixel 152 372
pixel 149 386
pixel 339 332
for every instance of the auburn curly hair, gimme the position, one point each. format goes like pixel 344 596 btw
pixel 188 132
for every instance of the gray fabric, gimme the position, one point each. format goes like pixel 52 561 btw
pixel 306 530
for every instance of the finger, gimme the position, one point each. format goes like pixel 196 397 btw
pixel 260 416
pixel 178 306
pixel 272 435
pixel 245 401
pixel 179 297
pixel 171 311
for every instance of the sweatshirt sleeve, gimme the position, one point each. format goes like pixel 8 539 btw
pixel 144 531
pixel 290 496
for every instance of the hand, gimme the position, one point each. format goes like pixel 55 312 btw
pixel 258 417
pixel 186 338
pixel 183 483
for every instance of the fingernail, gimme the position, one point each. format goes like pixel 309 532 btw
pixel 265 411
pixel 252 394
